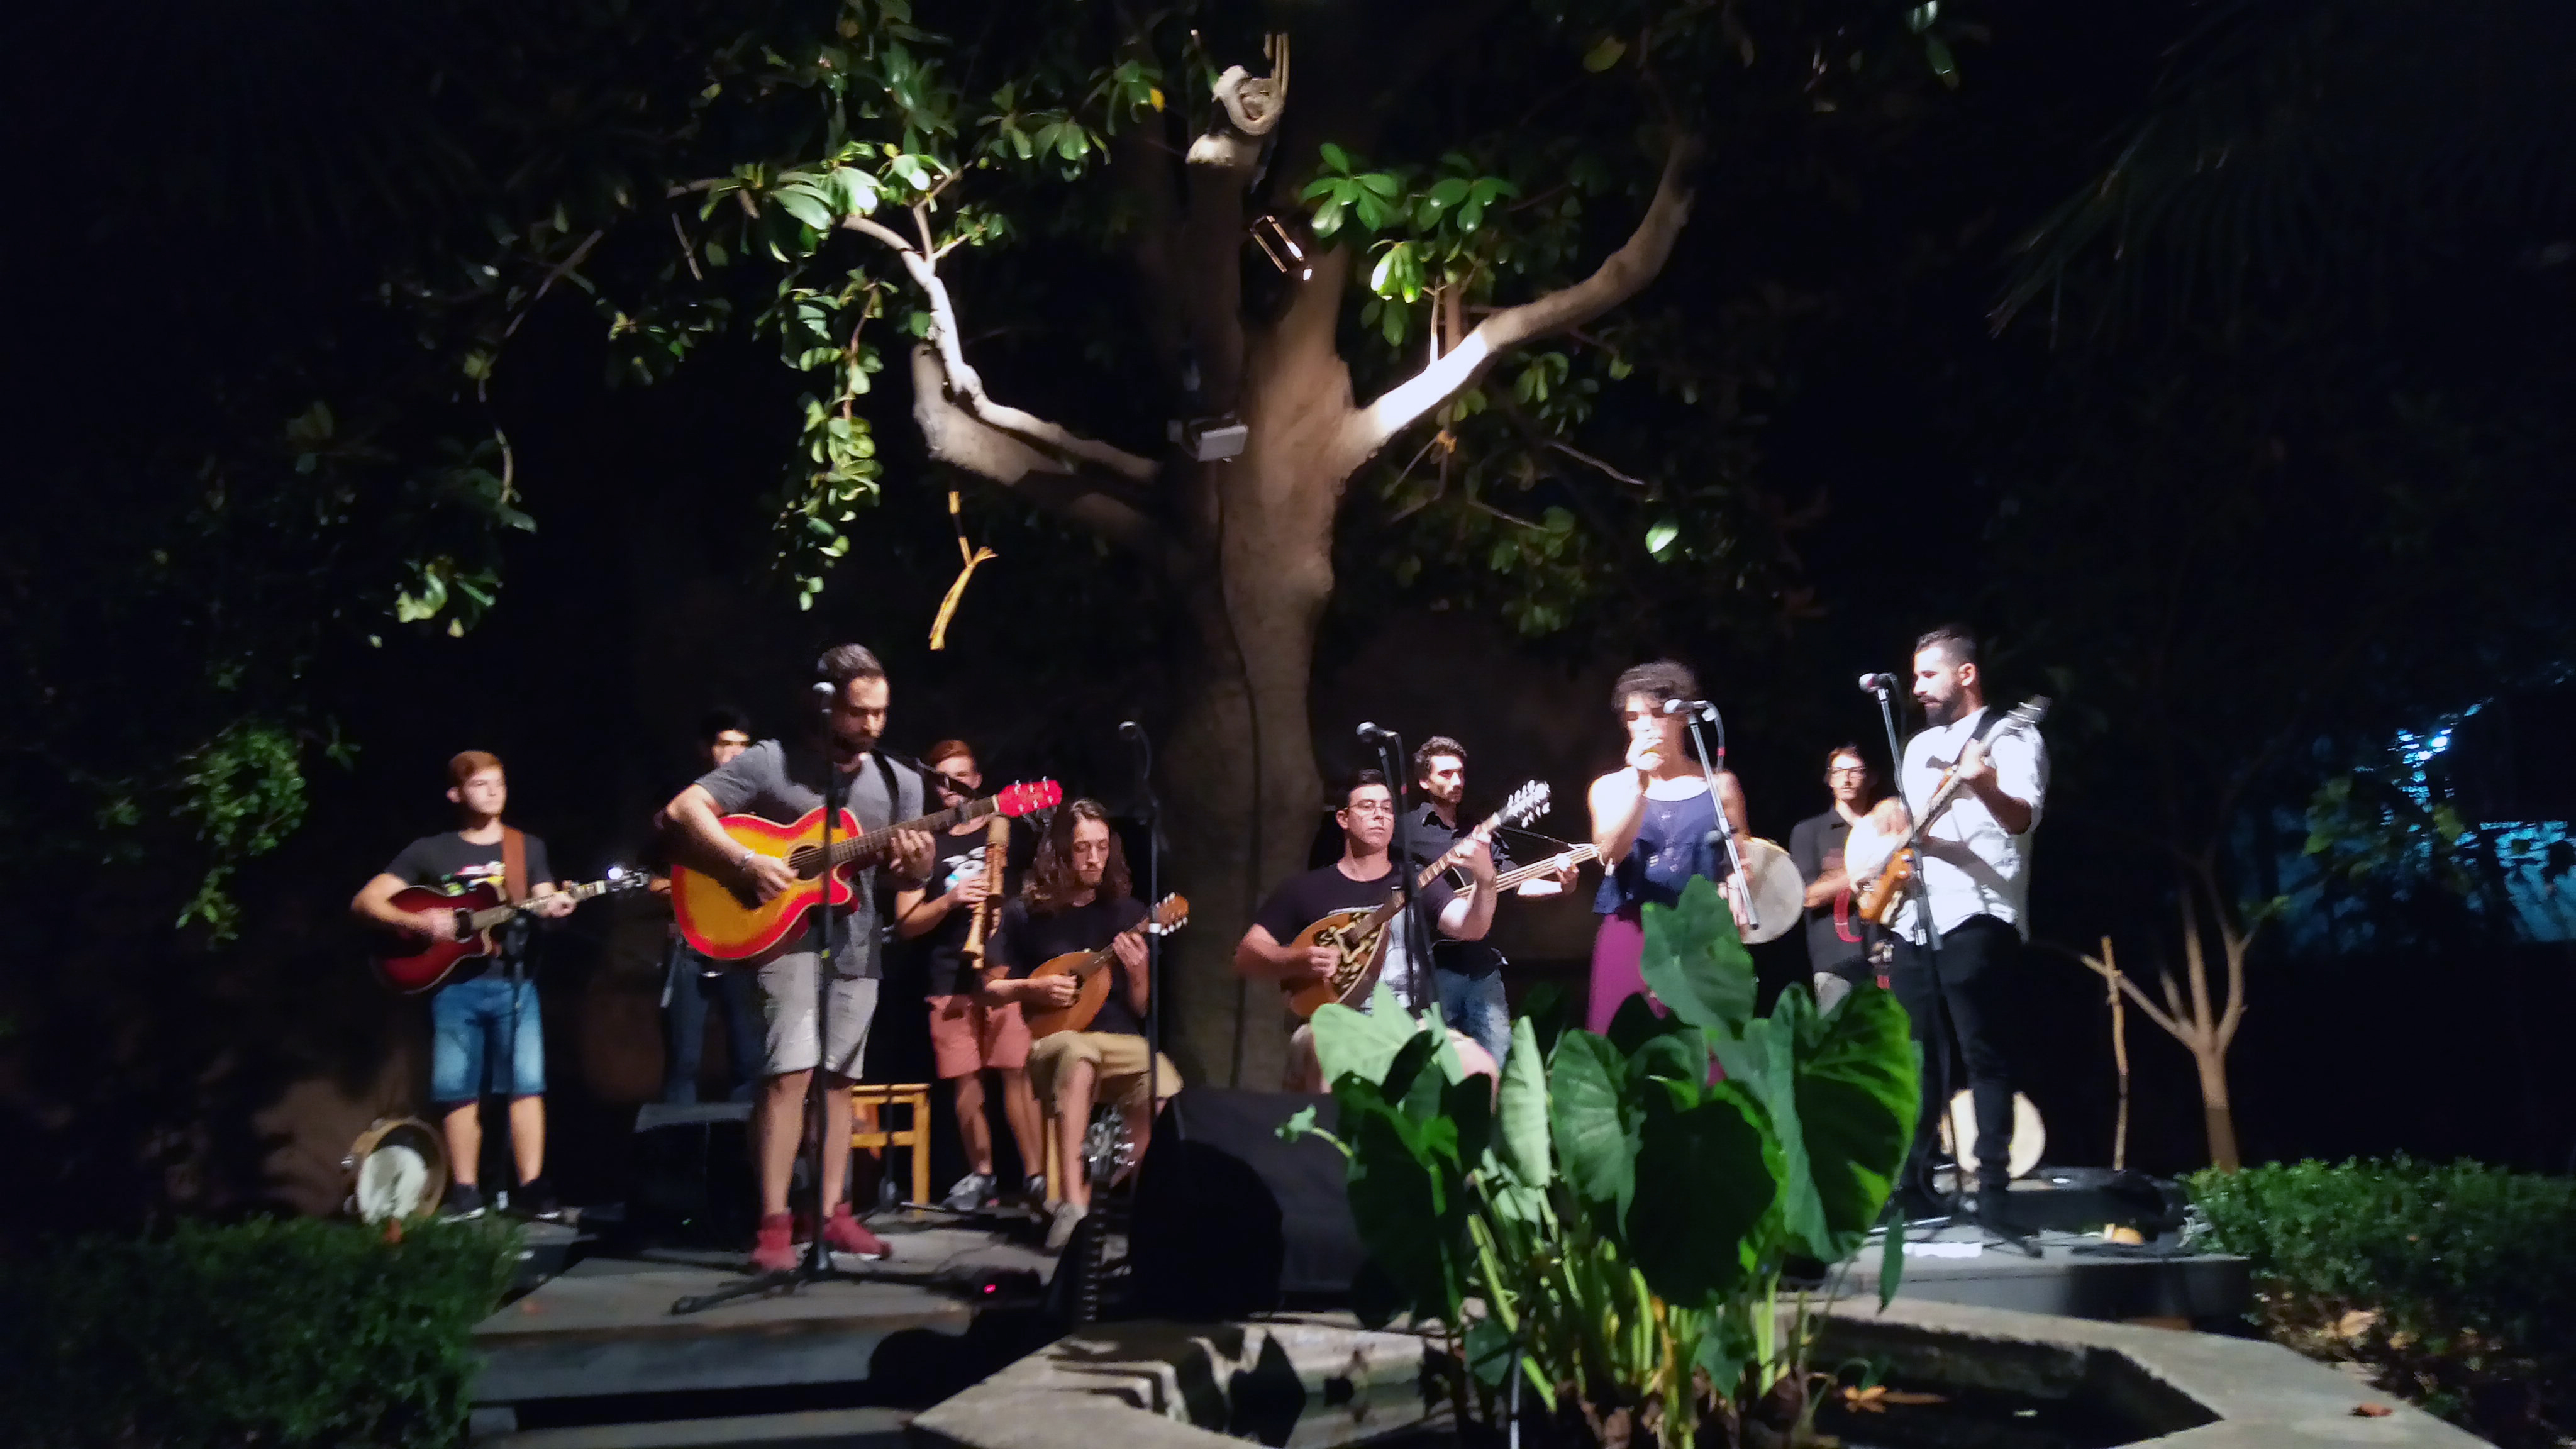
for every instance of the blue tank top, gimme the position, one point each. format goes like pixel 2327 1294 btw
pixel 1672 845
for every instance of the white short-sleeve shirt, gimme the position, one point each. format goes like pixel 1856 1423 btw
pixel 1971 865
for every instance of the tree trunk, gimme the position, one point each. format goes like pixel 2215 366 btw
pixel 1241 788
pixel 2211 1058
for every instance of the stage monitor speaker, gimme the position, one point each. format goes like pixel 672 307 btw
pixel 1230 1220
pixel 692 1183
pixel 2086 1199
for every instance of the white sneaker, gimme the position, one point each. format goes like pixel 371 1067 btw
pixel 1060 1230
pixel 971 1192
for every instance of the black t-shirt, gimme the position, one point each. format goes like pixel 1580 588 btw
pixel 1024 940
pixel 453 864
pixel 954 859
pixel 1302 900
pixel 1428 837
pixel 1816 846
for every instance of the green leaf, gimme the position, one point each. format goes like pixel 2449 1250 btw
pixel 1937 53
pixel 1448 191
pixel 1694 961
pixel 1891 1257
pixel 1858 1092
pixel 804 203
pixel 1522 1108
pixel 1660 537
pixel 1335 157
pixel 1702 1185
pixel 1596 1125
pixel 1604 54
pixel 1380 183
pixel 1490 1352
pixel 1327 218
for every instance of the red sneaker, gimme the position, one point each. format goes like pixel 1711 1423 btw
pixel 774 1252
pixel 843 1233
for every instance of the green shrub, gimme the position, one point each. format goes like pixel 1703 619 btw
pixel 272 1332
pixel 2455 1286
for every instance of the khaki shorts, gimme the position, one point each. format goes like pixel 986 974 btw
pixel 787 1005
pixel 968 1034
pixel 1117 1058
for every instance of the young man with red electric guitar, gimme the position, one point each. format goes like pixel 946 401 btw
pixel 785 784
pixel 951 921
pixel 1278 946
pixel 484 1013
pixel 1977 780
pixel 1078 899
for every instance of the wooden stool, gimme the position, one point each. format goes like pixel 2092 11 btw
pixel 867 1131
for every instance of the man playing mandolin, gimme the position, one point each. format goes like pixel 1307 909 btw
pixel 784 783
pixel 1362 879
pixel 1975 876
pixel 486 1000
pixel 1078 899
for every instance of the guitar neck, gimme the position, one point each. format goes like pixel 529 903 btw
pixel 860 847
pixel 1428 874
pixel 486 919
pixel 1520 874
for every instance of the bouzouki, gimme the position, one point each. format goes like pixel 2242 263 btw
pixel 413 963
pixel 1566 859
pixel 1090 970
pixel 1876 901
pixel 1358 937
pixel 729 924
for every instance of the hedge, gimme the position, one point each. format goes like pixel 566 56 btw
pixel 2453 1286
pixel 269 1332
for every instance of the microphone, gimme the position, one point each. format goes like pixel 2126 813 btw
pixel 1700 707
pixel 1878 684
pixel 1128 729
pixel 823 694
pixel 1372 734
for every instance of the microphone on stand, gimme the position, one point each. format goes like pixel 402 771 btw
pixel 1878 684
pixel 1130 730
pixel 1372 734
pixel 1700 707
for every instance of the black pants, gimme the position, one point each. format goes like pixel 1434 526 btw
pixel 1980 975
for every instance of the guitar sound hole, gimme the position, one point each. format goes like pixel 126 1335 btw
pixel 801 860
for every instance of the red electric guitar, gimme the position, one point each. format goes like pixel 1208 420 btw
pixel 730 925
pixel 413 963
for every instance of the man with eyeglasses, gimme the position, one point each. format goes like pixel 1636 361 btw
pixel 1362 879
pixel 1837 939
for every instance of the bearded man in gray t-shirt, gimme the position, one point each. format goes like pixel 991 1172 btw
pixel 783 783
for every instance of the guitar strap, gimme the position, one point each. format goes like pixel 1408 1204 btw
pixel 514 864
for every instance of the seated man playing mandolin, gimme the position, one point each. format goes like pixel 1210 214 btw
pixel 1363 880
pixel 484 1001
pixel 1077 900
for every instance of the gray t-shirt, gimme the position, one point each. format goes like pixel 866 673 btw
pixel 783 783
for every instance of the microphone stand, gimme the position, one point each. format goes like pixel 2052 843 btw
pixel 1918 892
pixel 1153 898
pixel 1417 946
pixel 1723 832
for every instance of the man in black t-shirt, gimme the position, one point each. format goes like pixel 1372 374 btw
pixel 1077 899
pixel 970 1034
pixel 1837 944
pixel 695 986
pixel 1467 974
pixel 484 1015
pixel 1364 878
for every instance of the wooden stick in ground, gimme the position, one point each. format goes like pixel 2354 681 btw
pixel 2119 1058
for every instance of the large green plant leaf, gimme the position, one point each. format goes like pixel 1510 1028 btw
pixel 1522 1110
pixel 1404 1196
pixel 1841 1094
pixel 1694 961
pixel 1364 1043
pixel 1701 1185
pixel 1596 1123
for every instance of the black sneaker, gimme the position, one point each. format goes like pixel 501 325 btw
pixel 536 1199
pixel 464 1202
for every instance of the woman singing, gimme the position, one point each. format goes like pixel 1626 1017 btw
pixel 1654 824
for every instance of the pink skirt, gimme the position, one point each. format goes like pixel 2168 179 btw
pixel 1616 974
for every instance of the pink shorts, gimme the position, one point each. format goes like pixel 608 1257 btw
pixel 967 1035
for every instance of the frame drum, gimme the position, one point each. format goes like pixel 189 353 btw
pixel 1779 894
pixel 397 1169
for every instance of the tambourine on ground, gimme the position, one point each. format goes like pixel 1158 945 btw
pixel 397 1171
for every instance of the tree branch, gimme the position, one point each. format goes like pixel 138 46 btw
pixel 955 436
pixel 953 375
pixel 1622 275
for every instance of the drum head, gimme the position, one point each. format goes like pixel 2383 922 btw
pixel 1959 1134
pixel 1779 896
pixel 397 1169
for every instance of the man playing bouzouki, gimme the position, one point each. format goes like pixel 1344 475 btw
pixel 1078 899
pixel 784 783
pixel 1975 876
pixel 1361 880
pixel 487 1000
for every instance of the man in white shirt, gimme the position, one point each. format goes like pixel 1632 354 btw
pixel 1974 863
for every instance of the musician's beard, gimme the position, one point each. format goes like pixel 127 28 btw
pixel 1945 711
pixel 846 748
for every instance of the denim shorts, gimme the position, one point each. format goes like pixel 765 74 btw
pixel 472 1028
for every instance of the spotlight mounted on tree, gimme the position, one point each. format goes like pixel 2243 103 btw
pixel 1280 246
pixel 1209 440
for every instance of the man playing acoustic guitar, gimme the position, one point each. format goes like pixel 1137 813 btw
pixel 1078 899
pixel 785 784
pixel 488 999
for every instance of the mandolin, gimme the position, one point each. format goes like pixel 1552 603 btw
pixel 1090 970
pixel 730 924
pixel 1358 937
pixel 412 963
pixel 1876 901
